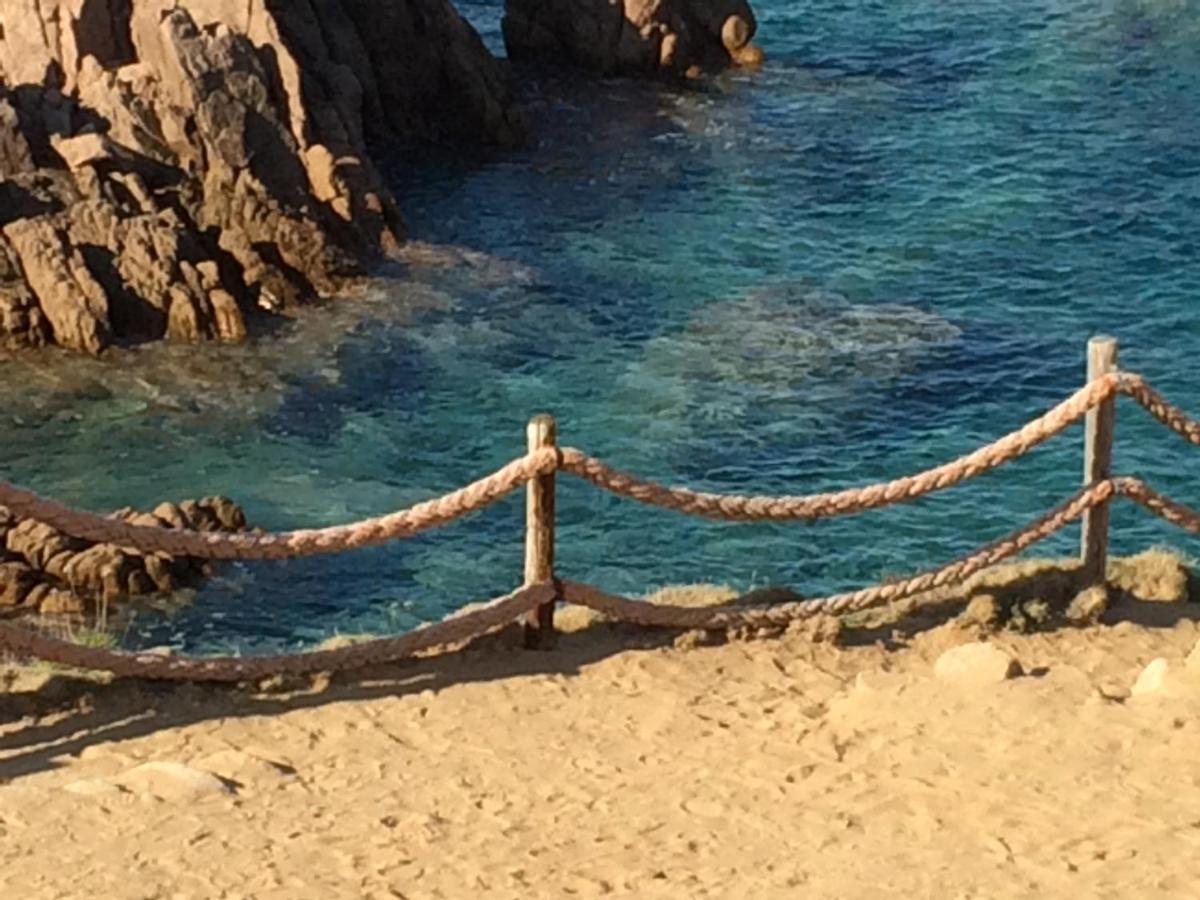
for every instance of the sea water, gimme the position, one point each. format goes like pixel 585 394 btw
pixel 884 248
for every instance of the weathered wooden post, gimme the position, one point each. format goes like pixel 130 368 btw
pixel 1097 462
pixel 539 533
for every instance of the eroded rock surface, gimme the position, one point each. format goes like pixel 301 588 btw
pixel 172 171
pixel 44 570
pixel 632 36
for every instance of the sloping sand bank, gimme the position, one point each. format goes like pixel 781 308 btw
pixel 619 764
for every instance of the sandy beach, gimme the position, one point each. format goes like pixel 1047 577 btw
pixel 631 763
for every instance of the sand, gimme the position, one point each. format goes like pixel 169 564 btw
pixel 621 765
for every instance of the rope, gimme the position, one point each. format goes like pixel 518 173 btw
pixel 1164 507
pixel 306 542
pixel 503 610
pixel 663 615
pixel 734 507
pixel 742 508
pixel 457 628
pixel 1159 407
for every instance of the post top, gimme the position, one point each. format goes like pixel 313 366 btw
pixel 542 430
pixel 1101 339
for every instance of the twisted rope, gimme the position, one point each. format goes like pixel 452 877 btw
pixel 457 628
pixel 1159 407
pixel 1164 507
pixel 734 507
pixel 743 508
pixel 506 609
pixel 305 542
pixel 663 615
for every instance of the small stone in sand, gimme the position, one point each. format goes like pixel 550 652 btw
pixel 1088 606
pixel 173 781
pixel 94 787
pixel 1152 678
pixel 976 664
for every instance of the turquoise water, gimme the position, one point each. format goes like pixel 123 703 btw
pixel 886 247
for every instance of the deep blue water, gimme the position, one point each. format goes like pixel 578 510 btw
pixel 886 247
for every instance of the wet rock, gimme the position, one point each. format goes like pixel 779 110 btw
pixel 976 665
pixel 682 37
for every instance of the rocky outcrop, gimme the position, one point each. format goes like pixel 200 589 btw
pixel 173 171
pixel 632 36
pixel 44 570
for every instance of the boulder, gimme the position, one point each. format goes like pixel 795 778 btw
pixel 102 571
pixel 171 171
pixel 38 543
pixel 72 300
pixel 632 36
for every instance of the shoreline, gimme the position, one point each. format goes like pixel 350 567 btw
pixel 623 763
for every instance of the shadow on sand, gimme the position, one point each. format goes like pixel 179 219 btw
pixel 47 714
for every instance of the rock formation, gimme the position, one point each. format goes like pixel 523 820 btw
pixel 632 36
pixel 170 170
pixel 44 570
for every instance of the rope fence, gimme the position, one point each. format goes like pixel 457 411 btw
pixel 535 601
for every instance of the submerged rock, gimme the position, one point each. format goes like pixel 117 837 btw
pixel 776 345
pixel 171 171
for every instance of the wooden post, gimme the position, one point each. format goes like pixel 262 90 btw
pixel 539 534
pixel 1097 463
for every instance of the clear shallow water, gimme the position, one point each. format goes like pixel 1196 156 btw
pixel 885 248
